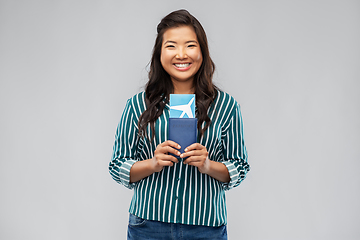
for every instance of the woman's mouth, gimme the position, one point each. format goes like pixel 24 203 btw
pixel 182 66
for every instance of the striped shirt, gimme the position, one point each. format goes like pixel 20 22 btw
pixel 180 193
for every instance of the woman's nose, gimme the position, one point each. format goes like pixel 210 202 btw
pixel 181 54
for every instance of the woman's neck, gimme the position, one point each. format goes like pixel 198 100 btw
pixel 183 87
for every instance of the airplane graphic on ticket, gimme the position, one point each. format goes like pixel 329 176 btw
pixel 182 105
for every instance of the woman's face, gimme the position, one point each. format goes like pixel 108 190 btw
pixel 181 54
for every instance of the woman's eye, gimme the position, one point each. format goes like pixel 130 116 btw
pixel 191 46
pixel 170 46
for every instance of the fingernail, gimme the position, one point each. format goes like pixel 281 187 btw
pixel 179 146
pixel 181 155
pixel 186 149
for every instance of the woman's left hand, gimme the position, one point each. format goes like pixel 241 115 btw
pixel 197 155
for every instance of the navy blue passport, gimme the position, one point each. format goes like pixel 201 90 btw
pixel 183 131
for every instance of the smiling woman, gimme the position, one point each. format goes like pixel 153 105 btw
pixel 179 197
pixel 181 57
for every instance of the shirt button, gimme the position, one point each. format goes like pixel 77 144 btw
pixel 176 198
pixel 177 179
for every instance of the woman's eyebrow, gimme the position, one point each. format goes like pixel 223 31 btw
pixel 169 41
pixel 190 41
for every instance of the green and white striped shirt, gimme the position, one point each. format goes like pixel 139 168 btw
pixel 181 194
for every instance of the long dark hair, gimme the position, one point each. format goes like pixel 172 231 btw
pixel 160 85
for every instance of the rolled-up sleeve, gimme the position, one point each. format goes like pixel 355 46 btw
pixel 124 148
pixel 234 149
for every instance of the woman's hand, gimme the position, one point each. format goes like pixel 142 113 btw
pixel 197 156
pixel 162 158
pixel 142 169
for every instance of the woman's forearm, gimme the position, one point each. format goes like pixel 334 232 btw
pixel 140 170
pixel 218 171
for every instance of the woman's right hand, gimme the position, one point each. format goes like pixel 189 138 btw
pixel 161 155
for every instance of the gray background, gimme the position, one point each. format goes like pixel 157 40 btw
pixel 68 67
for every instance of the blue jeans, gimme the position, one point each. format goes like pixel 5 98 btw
pixel 141 229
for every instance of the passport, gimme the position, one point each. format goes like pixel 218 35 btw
pixel 182 105
pixel 183 131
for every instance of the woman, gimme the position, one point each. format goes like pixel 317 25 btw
pixel 179 197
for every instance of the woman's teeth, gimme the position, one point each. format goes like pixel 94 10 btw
pixel 182 65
